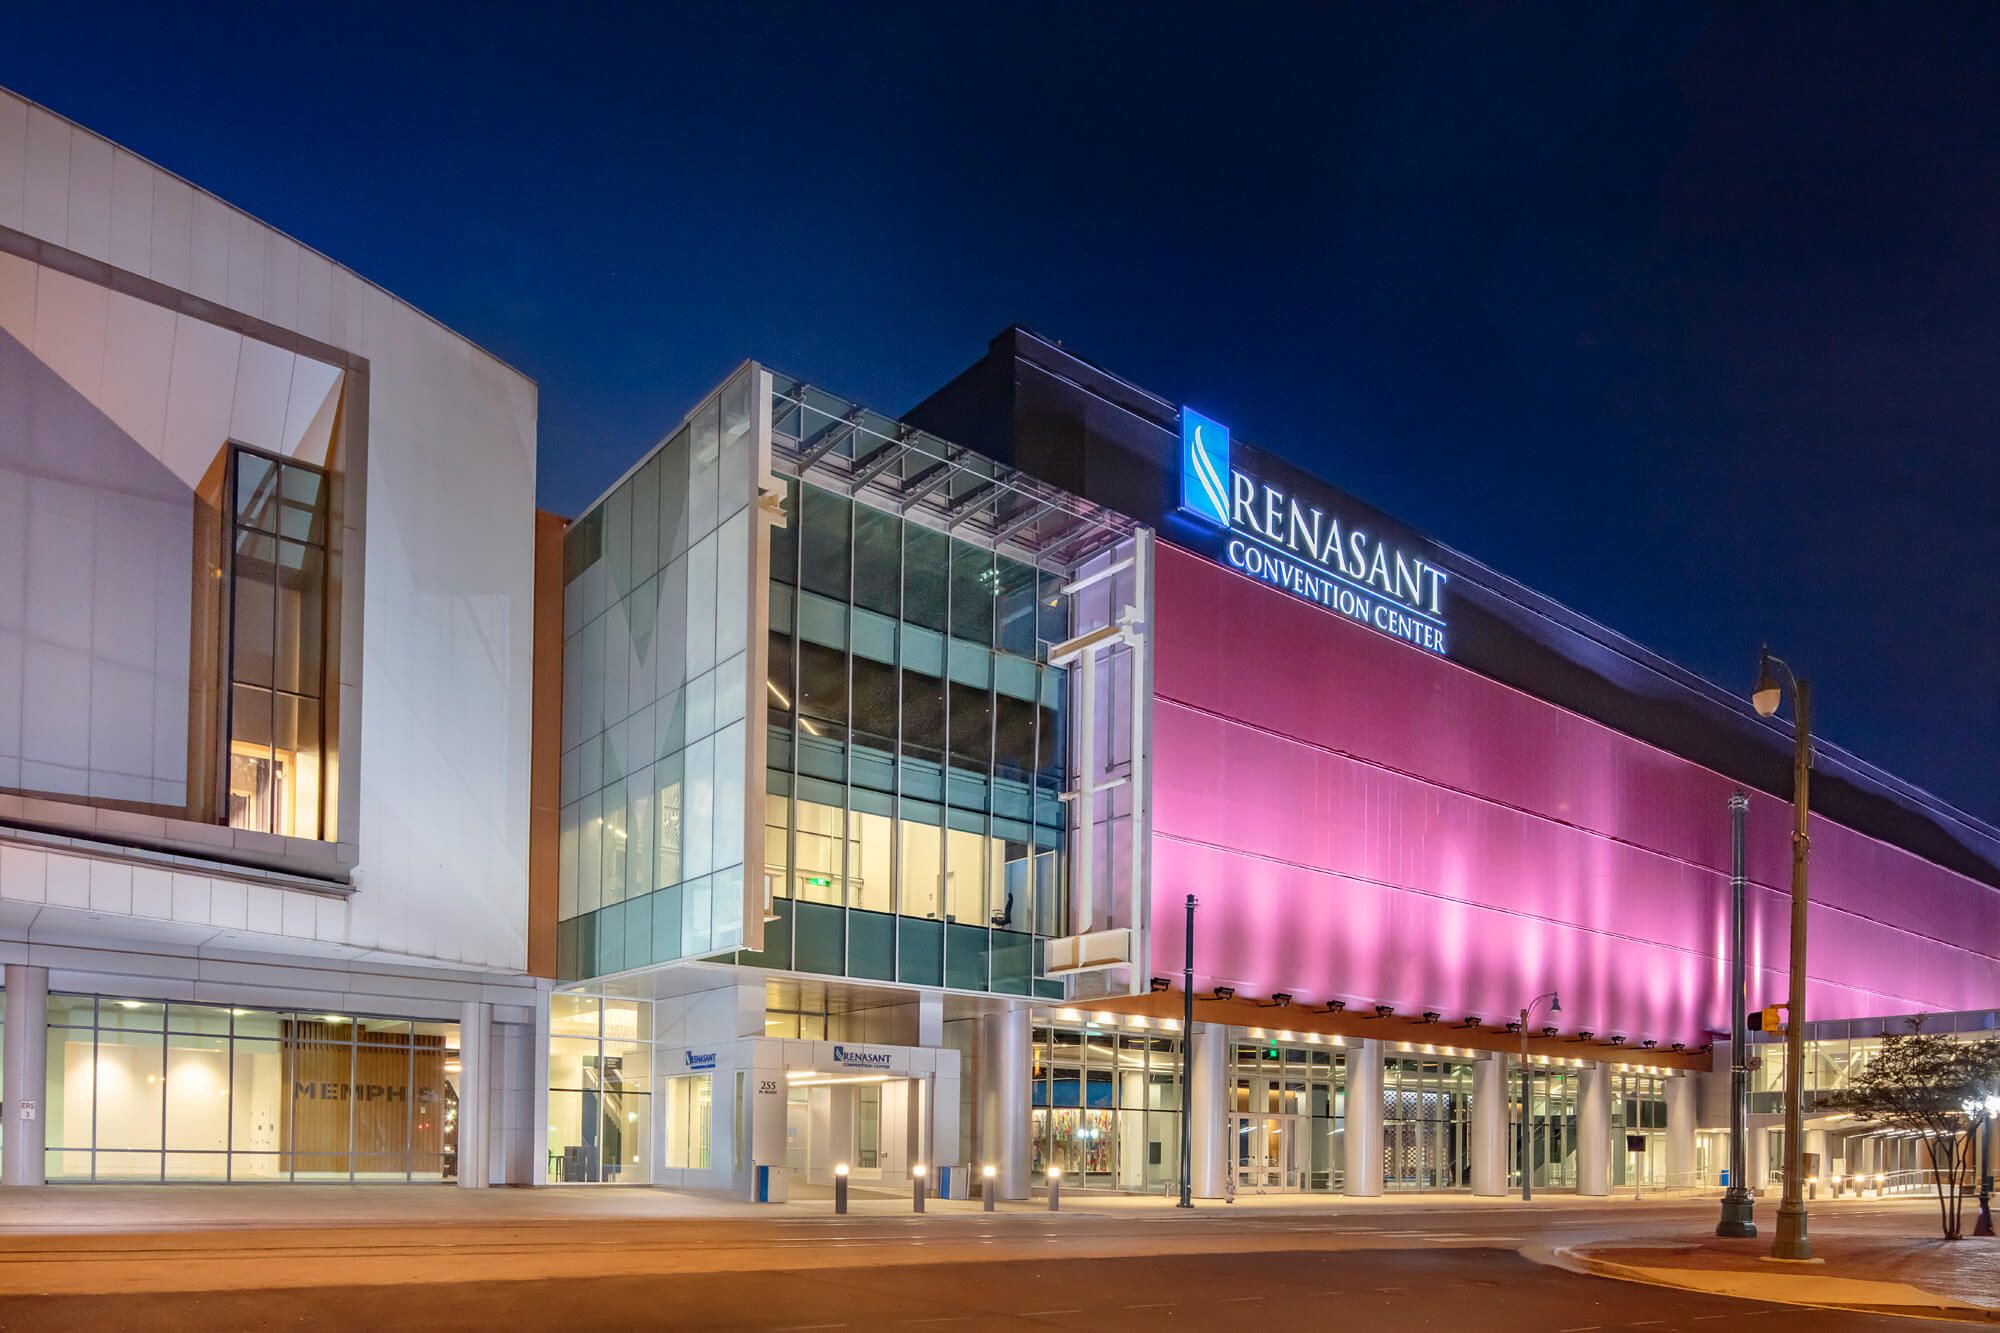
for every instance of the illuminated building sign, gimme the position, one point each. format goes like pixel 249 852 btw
pixel 1282 539
pixel 850 1058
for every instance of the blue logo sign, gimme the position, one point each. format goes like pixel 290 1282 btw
pixel 854 1059
pixel 1204 467
pixel 703 1060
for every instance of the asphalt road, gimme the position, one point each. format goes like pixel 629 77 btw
pixel 1442 1269
pixel 1470 1289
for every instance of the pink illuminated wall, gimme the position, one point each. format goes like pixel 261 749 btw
pixel 1361 819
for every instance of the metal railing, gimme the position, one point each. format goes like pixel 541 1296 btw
pixel 1881 1184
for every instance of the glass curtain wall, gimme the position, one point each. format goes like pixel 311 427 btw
pixel 141 1090
pixel 655 702
pixel 1106 1107
pixel 1289 1115
pixel 913 830
pixel 1638 1112
pixel 600 1105
pixel 1426 1123
pixel 1552 1133
pixel 277 634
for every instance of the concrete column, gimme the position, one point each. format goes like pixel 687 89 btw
pixel 538 1095
pixel 1760 1156
pixel 840 1126
pixel 768 1116
pixel 1006 1060
pixel 930 1018
pixel 1364 1119
pixel 1593 1130
pixel 1819 1162
pixel 1680 1131
pixel 26 1062
pixel 1489 1125
pixel 1208 1112
pixel 475 1097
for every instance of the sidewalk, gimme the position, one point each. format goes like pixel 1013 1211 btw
pixel 59 1209
pixel 1907 1274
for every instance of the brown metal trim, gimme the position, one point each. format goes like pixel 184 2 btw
pixel 545 747
pixel 1242 1011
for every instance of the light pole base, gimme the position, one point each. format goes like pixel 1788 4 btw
pixel 1738 1220
pixel 1792 1241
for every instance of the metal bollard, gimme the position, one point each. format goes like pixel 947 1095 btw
pixel 840 1187
pixel 917 1188
pixel 991 1187
pixel 1055 1189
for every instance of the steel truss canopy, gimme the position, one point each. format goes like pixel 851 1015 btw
pixel 836 443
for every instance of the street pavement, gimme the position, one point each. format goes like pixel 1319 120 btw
pixel 1100 1264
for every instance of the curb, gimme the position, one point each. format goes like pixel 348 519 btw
pixel 1573 1259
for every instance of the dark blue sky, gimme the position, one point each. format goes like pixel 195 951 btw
pixel 1686 317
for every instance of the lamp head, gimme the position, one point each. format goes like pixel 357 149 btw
pixel 1055 1173
pixel 1555 1004
pixel 1765 695
pixel 840 1168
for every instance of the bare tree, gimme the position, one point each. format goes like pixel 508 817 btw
pixel 1921 1082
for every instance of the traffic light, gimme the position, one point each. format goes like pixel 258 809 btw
pixel 1771 1018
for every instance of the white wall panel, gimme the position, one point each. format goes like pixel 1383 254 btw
pixel 246 265
pixel 448 548
pixel 89 223
pixel 45 210
pixel 263 386
pixel 13 158
pixel 139 348
pixel 172 255
pixel 18 281
pixel 210 222
pixel 201 397
pixel 131 212
pixel 281 280
pixel 71 317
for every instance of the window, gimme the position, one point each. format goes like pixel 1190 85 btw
pixel 141 1090
pixel 689 1098
pixel 600 1066
pixel 276 576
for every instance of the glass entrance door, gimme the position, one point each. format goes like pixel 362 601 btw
pixel 1552 1127
pixel 1267 1152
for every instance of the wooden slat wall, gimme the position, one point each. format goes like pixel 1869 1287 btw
pixel 392 1108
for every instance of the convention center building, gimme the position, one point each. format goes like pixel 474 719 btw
pixel 839 790
pixel 894 752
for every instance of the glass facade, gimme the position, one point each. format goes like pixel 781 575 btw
pixel 1106 1107
pixel 1552 1127
pixel 600 1076
pixel 912 826
pixel 1288 1117
pixel 1426 1123
pixel 1837 1050
pixel 1638 1116
pixel 276 570
pixel 656 616
pixel 142 1090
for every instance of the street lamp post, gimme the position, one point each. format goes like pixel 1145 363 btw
pixel 1793 1241
pixel 1187 1066
pixel 1738 1204
pixel 1527 1092
pixel 1986 1110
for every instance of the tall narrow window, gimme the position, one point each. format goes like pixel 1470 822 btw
pixel 276 545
